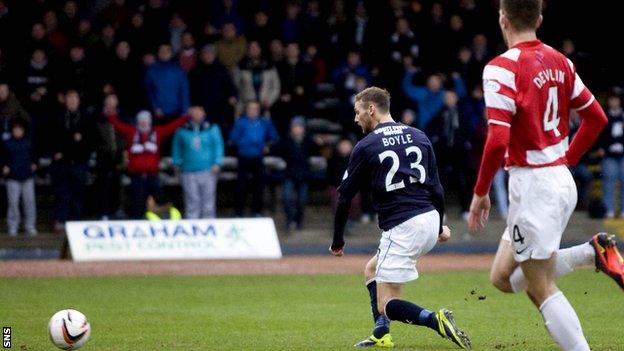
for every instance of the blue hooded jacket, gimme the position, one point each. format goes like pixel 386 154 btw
pixel 429 102
pixel 167 87
pixel 197 148
pixel 251 136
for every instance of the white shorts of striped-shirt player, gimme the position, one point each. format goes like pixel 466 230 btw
pixel 401 246
pixel 541 201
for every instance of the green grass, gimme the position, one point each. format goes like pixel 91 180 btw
pixel 292 312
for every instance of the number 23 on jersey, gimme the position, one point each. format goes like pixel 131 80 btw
pixel 390 186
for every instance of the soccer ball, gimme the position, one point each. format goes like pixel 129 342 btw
pixel 69 329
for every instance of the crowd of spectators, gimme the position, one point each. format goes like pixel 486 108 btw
pixel 124 82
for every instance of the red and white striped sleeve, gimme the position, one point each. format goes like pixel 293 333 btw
pixel 581 97
pixel 499 89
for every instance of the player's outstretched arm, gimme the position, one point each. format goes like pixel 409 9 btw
pixel 493 156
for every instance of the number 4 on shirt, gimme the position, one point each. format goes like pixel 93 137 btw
pixel 552 109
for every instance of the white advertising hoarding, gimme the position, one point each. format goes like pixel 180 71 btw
pixel 173 240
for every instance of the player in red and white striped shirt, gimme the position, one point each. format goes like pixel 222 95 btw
pixel 529 91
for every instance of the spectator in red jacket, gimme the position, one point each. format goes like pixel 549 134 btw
pixel 144 141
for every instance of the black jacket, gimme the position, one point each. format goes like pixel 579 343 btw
pixel 211 86
pixel 612 137
pixel 296 155
pixel 68 126
pixel 17 156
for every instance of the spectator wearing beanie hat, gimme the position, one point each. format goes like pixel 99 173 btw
pixel 143 141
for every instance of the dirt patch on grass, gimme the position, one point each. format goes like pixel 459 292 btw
pixel 296 265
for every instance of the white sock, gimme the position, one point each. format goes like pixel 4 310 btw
pixel 563 324
pixel 578 256
pixel 567 260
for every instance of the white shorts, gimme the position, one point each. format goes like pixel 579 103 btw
pixel 400 246
pixel 541 201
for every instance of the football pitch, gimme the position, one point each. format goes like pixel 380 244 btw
pixel 313 312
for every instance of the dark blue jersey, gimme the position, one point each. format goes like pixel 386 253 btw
pixel 399 164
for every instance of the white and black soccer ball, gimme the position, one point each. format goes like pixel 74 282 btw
pixel 69 329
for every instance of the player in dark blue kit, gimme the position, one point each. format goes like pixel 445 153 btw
pixel 399 163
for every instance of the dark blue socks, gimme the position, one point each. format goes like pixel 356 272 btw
pixel 372 291
pixel 382 324
pixel 407 312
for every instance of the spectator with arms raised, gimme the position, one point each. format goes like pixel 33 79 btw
pixel 143 143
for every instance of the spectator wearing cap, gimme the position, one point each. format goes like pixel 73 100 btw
pixel 18 168
pixel 143 146
pixel 167 86
pixel 212 86
pixel 252 135
pixel 10 110
pixel 295 150
pixel 73 132
pixel 257 79
pixel 197 149
pixel 231 47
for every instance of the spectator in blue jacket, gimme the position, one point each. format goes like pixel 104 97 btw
pixel 167 86
pixel 429 98
pixel 198 150
pixel 252 135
